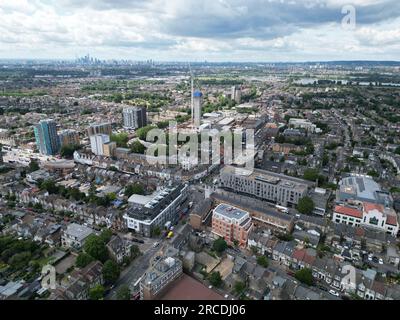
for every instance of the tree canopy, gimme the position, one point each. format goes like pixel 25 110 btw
pixel 83 260
pixel 97 292
pixel 305 276
pixel 95 247
pixel 305 205
pixel 110 271
pixel 135 188
pixel 215 279
pixel 220 245
pixel 124 293
pixel 262 261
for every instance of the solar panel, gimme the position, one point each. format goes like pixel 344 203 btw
pixel 360 183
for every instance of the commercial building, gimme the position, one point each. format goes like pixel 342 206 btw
pixel 165 206
pixel 266 185
pixel 232 224
pixel 75 235
pixel 262 215
pixel 97 143
pixel 46 137
pixel 134 117
pixel 368 214
pixel 362 188
pixel 69 137
pixel 100 128
pixel 159 277
pixel 197 104
pixel 302 124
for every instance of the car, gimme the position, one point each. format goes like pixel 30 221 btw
pixel 155 244
pixel 380 261
pixel 334 293
pixel 375 260
pixel 226 296
pixel 210 287
pixel 322 288
pixel 370 257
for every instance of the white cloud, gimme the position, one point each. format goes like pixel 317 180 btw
pixel 208 29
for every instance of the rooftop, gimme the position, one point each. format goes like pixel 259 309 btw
pixel 365 188
pixel 348 211
pixel 78 231
pixel 230 212
pixel 269 177
pixel 150 210
pixel 187 288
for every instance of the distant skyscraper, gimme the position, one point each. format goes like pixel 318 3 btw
pixel 100 128
pixel 197 103
pixel 46 137
pixel 134 117
pixel 97 142
pixel 69 138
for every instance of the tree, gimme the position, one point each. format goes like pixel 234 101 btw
pixel 305 205
pixel 220 245
pixel 137 147
pixel 135 251
pixel 83 260
pixel 239 287
pixel 33 165
pixel 124 293
pixel 215 279
pixel 135 188
pixel 95 247
pixel 67 151
pixel 142 132
pixel 121 139
pixel 262 261
pixel 110 271
pixel 97 292
pixel 49 185
pixel 311 174
pixel 305 276
pixel 106 235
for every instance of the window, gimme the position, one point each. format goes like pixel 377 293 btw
pixel 373 221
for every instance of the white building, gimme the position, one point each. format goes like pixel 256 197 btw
pixel 368 214
pixel 303 124
pixel 97 142
pixel 197 104
pixel 75 236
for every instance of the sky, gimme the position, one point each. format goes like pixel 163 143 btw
pixel 201 30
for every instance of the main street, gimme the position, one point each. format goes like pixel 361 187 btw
pixel 133 272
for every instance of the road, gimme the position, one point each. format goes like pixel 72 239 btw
pixel 133 272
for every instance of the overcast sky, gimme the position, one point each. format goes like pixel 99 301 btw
pixel 198 30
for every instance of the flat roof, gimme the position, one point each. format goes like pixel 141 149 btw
pixel 361 186
pixel 269 177
pixel 230 212
pixel 79 231
pixel 187 288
